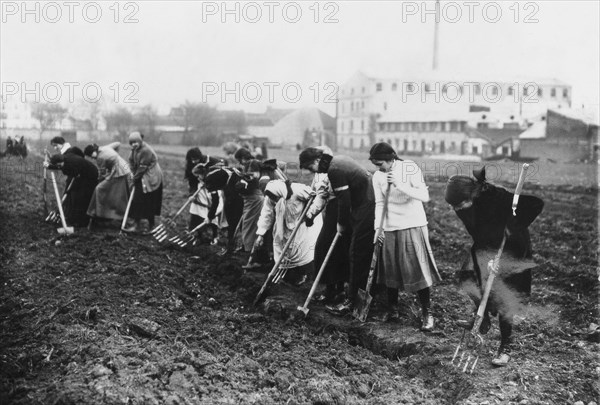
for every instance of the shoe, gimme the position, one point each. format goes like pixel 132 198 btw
pixel 131 229
pixel 427 325
pixel 302 280
pixel 484 328
pixel 503 357
pixel 344 308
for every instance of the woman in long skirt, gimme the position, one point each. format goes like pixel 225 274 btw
pixel 406 258
pixel 112 193
pixel 147 181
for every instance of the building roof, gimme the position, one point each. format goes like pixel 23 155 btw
pixel 587 116
pixel 536 131
pixel 429 75
pixel 290 129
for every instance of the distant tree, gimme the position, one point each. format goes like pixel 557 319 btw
pixel 198 121
pixel 47 114
pixel 145 119
pixel 120 120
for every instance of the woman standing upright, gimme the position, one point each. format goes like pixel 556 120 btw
pixel 406 260
pixel 112 192
pixel 147 182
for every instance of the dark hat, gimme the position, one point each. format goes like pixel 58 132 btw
pixel 243 153
pixel 382 151
pixel 459 189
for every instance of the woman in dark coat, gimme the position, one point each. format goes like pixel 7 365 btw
pixel 486 212
pixel 147 181
pixel 84 175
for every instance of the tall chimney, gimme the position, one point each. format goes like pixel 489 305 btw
pixel 436 34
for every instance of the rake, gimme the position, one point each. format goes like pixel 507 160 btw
pixel 162 231
pixel 54 216
pixel 187 237
pixel 276 268
pixel 470 345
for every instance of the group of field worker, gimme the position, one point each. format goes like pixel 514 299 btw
pixel 337 223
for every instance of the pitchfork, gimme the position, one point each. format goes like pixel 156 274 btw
pixel 161 232
pixel 187 237
pixel 471 346
pixel 275 271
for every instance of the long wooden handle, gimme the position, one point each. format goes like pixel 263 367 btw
pixel 126 216
pixel 494 266
pixel 377 243
pixel 58 201
pixel 322 269
pixel 284 250
pixel 519 188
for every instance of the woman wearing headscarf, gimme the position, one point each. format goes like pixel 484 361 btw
pixel 147 181
pixel 115 178
pixel 406 257
pixel 282 208
pixel 84 175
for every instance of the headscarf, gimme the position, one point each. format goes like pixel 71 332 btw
pixel 135 137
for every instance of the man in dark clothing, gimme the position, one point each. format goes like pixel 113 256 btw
pixel 486 212
pixel 351 184
pixel 84 175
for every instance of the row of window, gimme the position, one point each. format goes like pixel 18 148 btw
pixel 404 145
pixel 452 126
pixel 409 126
pixel 476 89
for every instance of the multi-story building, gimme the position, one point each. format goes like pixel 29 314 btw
pixel 430 110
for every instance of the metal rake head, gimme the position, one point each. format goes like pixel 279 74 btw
pixel 466 355
pixel 183 239
pixel 53 217
pixel 163 231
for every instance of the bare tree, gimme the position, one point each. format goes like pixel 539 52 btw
pixel 146 119
pixel 48 114
pixel 120 120
pixel 197 117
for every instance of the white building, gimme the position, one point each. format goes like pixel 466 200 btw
pixel 16 114
pixel 422 101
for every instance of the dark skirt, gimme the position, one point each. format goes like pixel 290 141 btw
pixel 146 205
pixel 77 202
pixel 407 260
pixel 338 266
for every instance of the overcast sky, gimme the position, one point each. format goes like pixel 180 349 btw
pixel 183 50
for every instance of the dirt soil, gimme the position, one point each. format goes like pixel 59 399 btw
pixel 101 318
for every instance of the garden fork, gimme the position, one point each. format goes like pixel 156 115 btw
pixel 467 351
pixel 162 231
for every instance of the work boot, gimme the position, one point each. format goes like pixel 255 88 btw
pixel 503 356
pixel 344 308
pixel 427 324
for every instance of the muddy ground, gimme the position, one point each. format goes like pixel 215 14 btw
pixel 101 318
